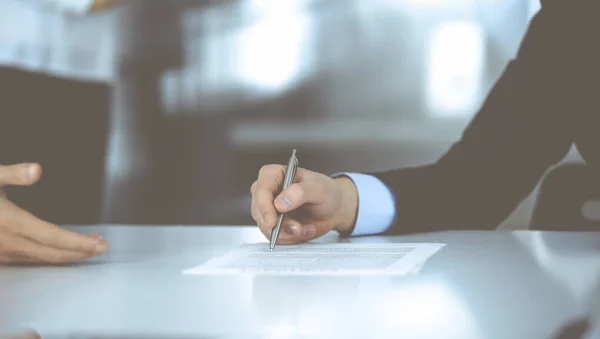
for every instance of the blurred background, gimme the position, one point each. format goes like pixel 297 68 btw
pixel 206 92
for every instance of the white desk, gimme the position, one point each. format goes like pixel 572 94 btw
pixel 481 285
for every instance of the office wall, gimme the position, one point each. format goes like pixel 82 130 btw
pixel 355 85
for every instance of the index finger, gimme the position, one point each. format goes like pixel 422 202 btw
pixel 264 190
pixel 19 174
pixel 263 209
pixel 25 224
pixel 271 176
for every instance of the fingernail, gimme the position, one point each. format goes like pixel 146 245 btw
pixel 285 201
pixel 100 246
pixel 292 229
pixel 309 231
pixel 31 171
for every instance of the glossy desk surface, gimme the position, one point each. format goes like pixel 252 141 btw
pixel 481 285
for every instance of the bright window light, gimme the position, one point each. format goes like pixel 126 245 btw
pixel 439 3
pixel 275 5
pixel 270 53
pixel 442 4
pixel 455 67
pixel 281 330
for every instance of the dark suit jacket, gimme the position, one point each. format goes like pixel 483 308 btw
pixel 546 100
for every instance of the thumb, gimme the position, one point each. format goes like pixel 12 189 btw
pixel 20 174
pixel 298 194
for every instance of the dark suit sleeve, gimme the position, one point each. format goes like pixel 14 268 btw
pixel 525 125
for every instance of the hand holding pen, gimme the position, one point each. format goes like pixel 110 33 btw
pixel 313 203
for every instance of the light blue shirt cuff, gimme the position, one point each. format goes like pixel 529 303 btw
pixel 376 204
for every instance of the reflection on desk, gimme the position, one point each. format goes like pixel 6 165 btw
pixel 482 285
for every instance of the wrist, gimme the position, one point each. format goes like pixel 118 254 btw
pixel 349 206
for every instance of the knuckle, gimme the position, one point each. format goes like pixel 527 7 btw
pixel 270 169
pixel 265 169
pixel 259 187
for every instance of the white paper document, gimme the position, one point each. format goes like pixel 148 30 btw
pixel 314 259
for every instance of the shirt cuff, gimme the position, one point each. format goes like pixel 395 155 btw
pixel 77 7
pixel 376 204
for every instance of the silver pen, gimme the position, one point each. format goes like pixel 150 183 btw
pixel 290 174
